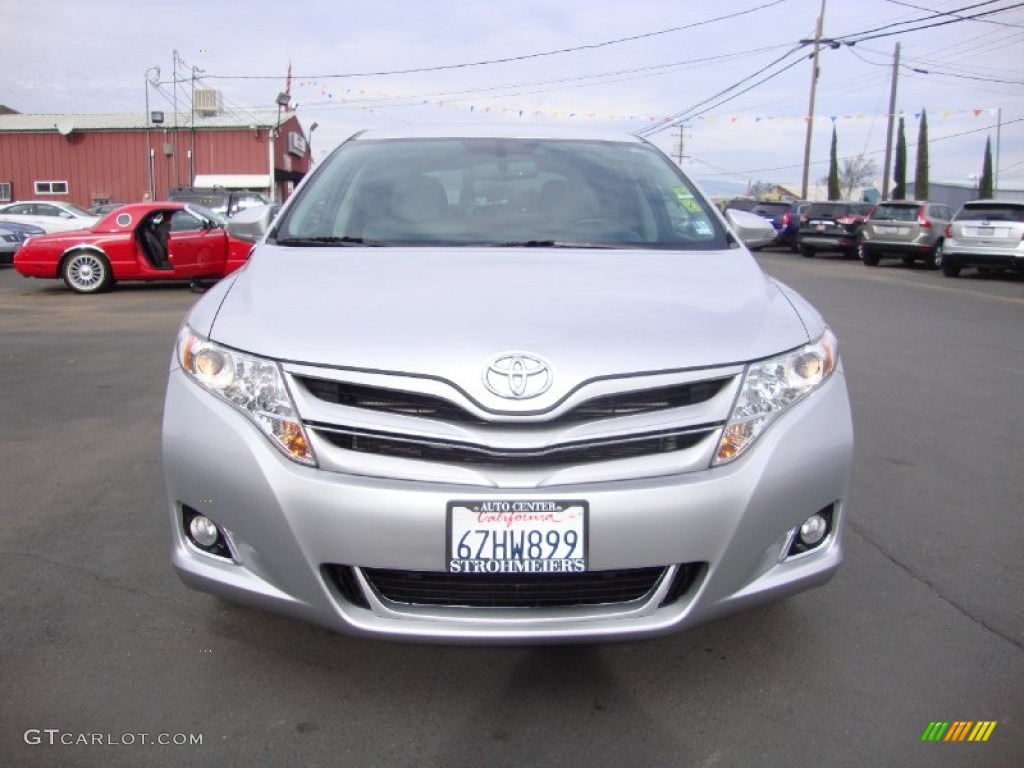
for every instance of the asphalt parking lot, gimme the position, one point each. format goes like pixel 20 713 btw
pixel 105 654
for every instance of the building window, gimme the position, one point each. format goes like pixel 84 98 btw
pixel 51 187
pixel 5 192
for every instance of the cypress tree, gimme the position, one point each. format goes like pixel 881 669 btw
pixel 921 172
pixel 985 191
pixel 899 171
pixel 834 192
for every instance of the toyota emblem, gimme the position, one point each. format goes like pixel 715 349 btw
pixel 517 376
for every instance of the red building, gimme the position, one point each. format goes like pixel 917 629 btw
pixel 90 159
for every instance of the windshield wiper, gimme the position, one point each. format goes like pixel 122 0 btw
pixel 554 244
pixel 325 240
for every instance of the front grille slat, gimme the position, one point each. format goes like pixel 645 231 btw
pixel 551 590
pixel 432 407
pixel 400 446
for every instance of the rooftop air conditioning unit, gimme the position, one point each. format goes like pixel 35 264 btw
pixel 208 102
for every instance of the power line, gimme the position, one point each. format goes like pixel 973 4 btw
pixel 862 36
pixel 508 59
pixel 933 14
pixel 690 112
pixel 931 140
pixel 951 13
pixel 568 83
pixel 849 40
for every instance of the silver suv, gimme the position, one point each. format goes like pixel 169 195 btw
pixel 504 385
pixel 987 234
pixel 906 229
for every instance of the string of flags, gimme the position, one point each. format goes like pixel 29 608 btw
pixel 357 98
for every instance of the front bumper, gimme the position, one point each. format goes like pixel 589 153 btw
pixel 289 526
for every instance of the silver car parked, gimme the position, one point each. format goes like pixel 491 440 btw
pixel 910 230
pixel 504 385
pixel 986 234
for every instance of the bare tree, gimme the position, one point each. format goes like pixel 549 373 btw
pixel 857 171
pixel 759 188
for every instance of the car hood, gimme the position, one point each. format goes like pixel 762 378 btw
pixel 447 312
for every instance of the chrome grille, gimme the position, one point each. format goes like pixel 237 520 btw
pixel 433 407
pixel 583 452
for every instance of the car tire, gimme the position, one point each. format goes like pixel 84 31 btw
pixel 807 253
pixel 86 272
pixel 870 259
pixel 934 257
pixel 945 262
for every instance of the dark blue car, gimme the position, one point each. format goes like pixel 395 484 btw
pixel 785 217
pixel 12 235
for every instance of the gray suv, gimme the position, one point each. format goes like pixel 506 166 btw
pixel 498 385
pixel 904 229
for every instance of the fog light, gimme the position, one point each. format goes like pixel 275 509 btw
pixel 204 531
pixel 812 531
pixel 204 534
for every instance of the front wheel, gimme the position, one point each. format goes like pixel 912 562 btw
pixel 806 252
pixel 86 272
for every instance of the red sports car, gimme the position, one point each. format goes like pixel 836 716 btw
pixel 143 241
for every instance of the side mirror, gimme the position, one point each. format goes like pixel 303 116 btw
pixel 755 231
pixel 252 224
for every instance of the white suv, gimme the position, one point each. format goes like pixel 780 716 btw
pixel 987 234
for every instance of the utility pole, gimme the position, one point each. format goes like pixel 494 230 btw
pixel 682 143
pixel 150 162
pixel 174 78
pixel 999 136
pixel 892 117
pixel 196 71
pixel 810 107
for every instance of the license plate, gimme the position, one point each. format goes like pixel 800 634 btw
pixel 517 536
pixel 986 231
pixel 819 227
pixel 889 230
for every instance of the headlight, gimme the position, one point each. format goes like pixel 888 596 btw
pixel 770 387
pixel 252 385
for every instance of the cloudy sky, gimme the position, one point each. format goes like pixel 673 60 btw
pixel 734 73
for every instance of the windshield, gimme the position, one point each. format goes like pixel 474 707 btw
pixel 499 192
pixel 772 209
pixel 205 212
pixel 72 208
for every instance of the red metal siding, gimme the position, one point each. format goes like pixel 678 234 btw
pixel 113 164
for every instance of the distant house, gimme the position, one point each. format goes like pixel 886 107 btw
pixel 91 159
pixel 776 192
